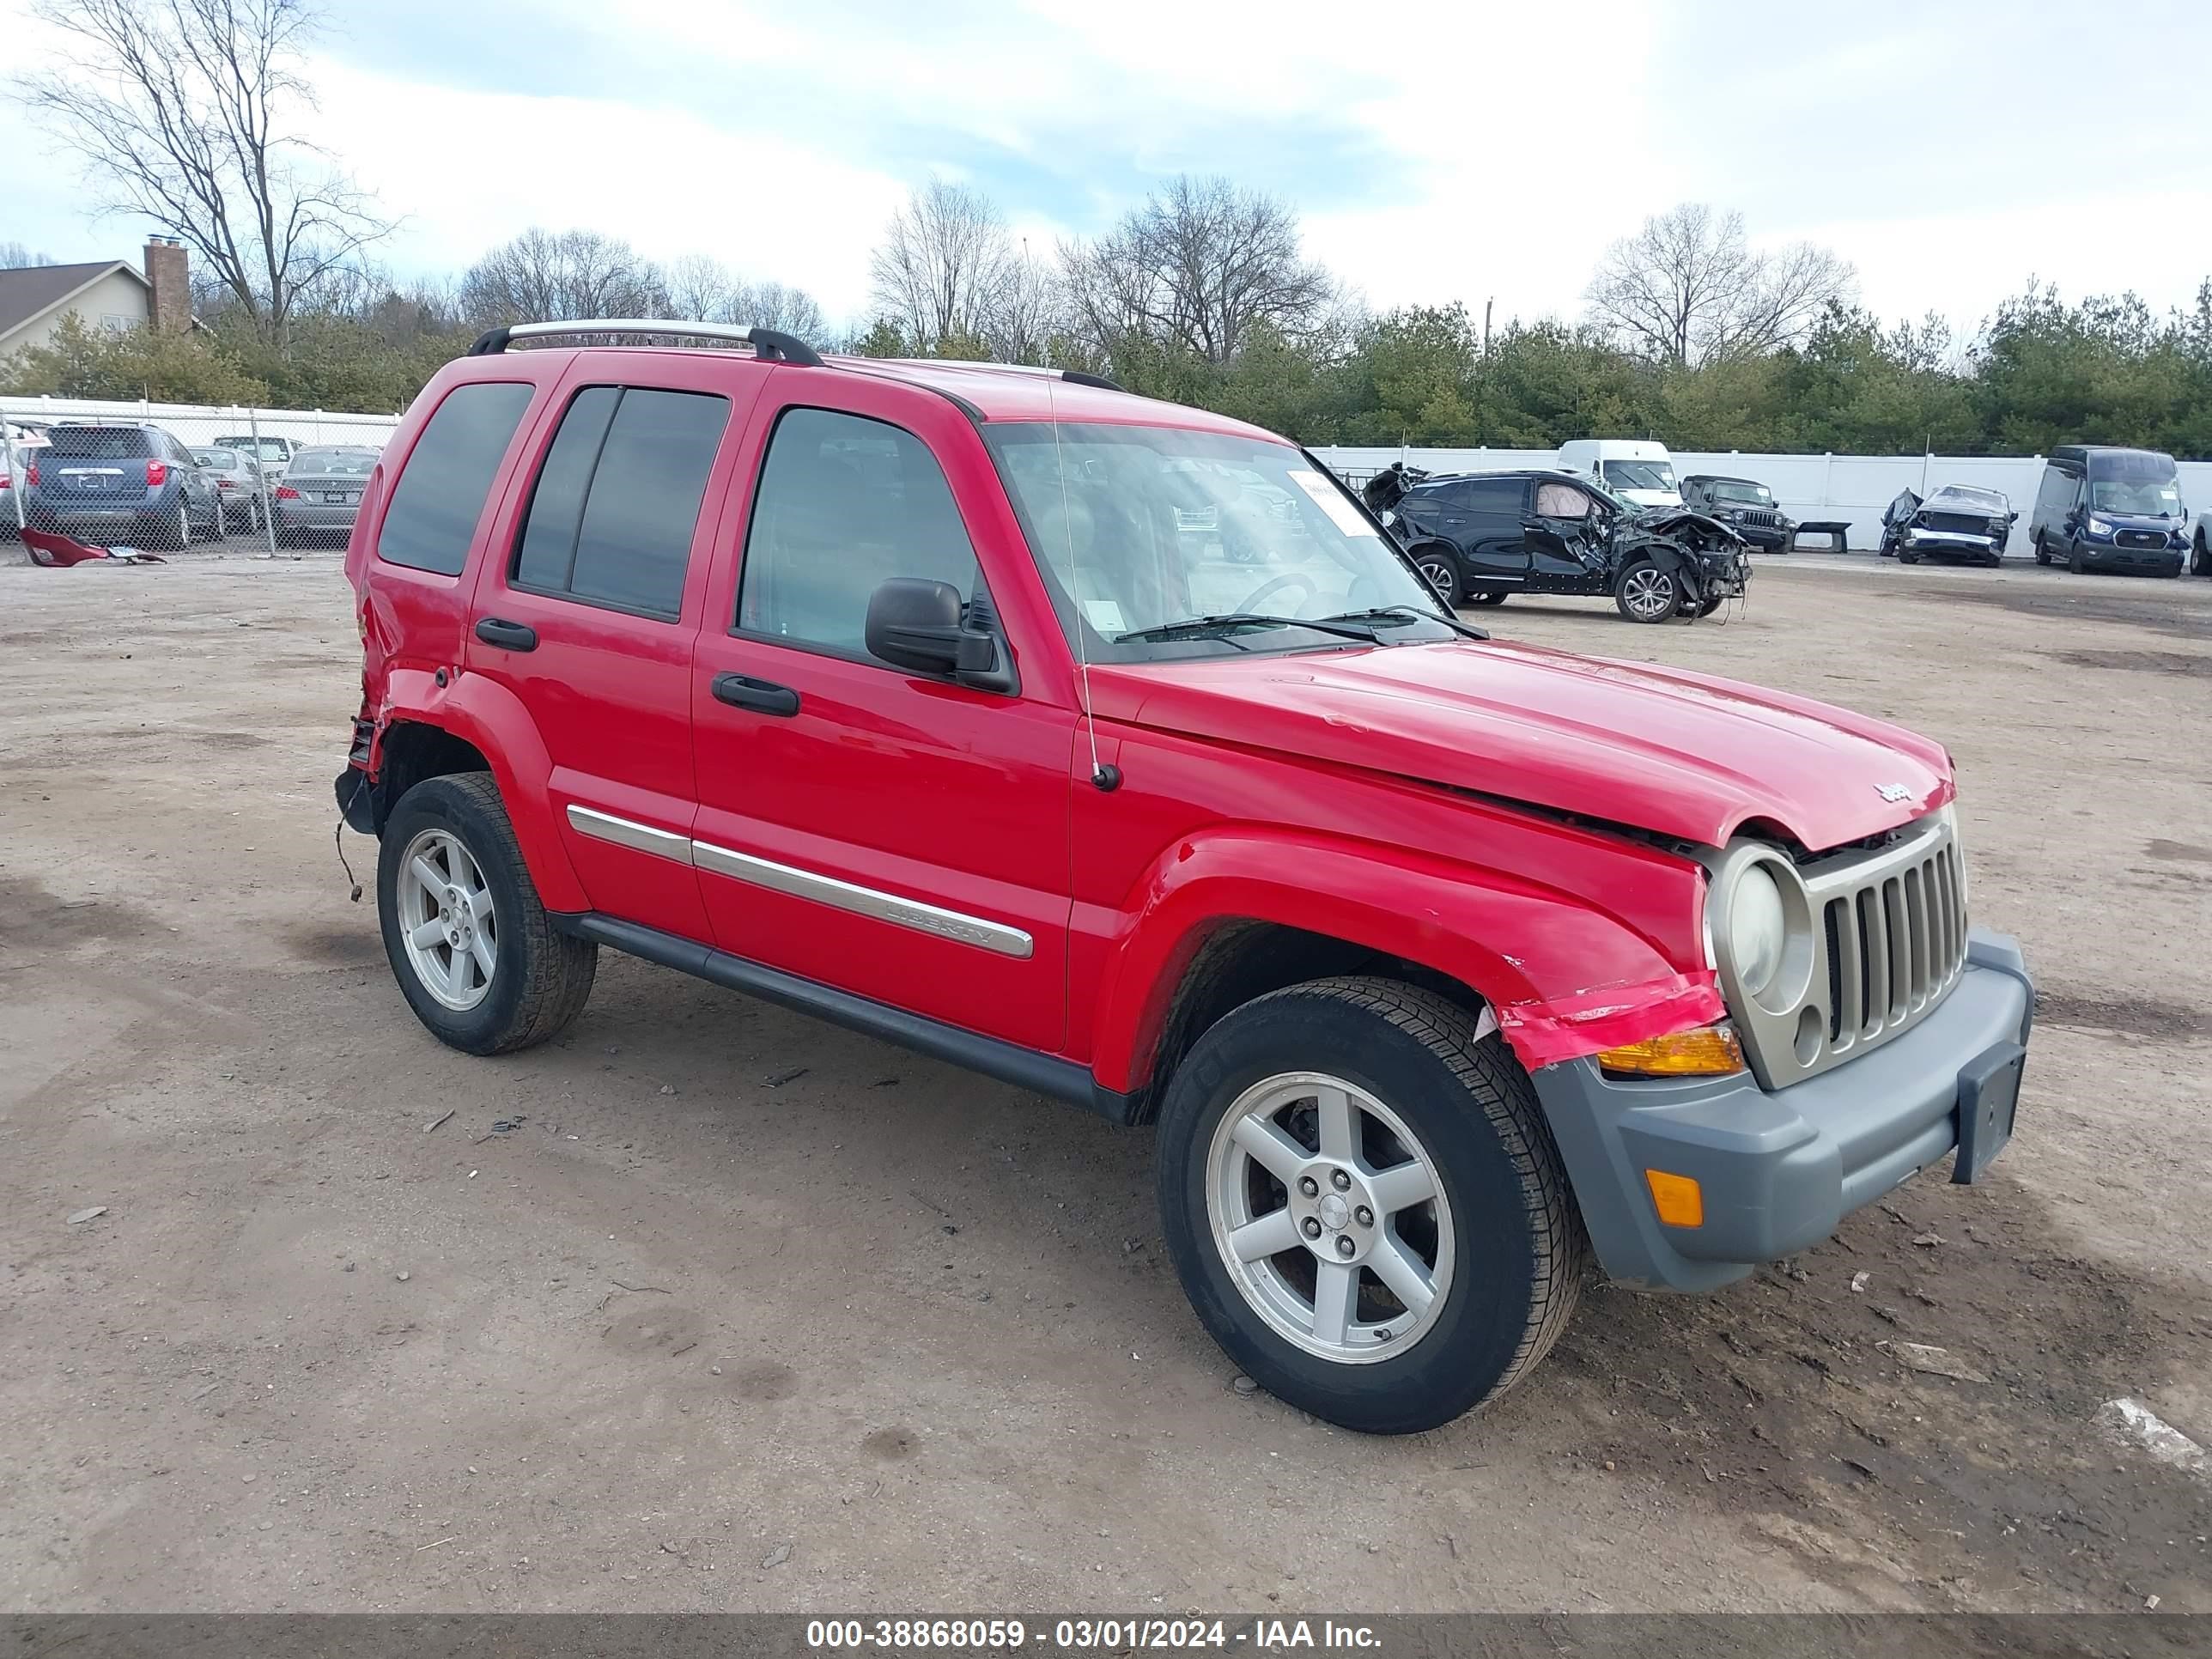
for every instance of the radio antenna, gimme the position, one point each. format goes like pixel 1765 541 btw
pixel 1103 776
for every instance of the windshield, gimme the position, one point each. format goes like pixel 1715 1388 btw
pixel 1640 475
pixel 1730 490
pixel 223 460
pixel 268 449
pixel 1138 528
pixel 2139 495
pixel 334 462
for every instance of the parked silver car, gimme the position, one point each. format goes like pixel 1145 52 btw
pixel 321 495
pixel 274 454
pixel 239 482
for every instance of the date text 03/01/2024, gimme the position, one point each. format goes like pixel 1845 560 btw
pixel 1084 1635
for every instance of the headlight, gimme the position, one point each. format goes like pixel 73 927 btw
pixel 1757 930
pixel 2100 527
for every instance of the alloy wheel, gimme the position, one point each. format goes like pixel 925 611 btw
pixel 447 919
pixel 1648 593
pixel 1330 1217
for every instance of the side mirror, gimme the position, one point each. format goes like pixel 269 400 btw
pixel 915 623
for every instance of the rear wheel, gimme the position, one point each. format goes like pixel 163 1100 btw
pixel 1442 573
pixel 1364 1204
pixel 474 951
pixel 1645 593
pixel 1904 557
pixel 2200 562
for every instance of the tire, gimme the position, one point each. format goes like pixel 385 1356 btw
pixel 1710 603
pixel 1908 559
pixel 2074 561
pixel 1495 596
pixel 2042 553
pixel 539 979
pixel 1442 571
pixel 2200 562
pixel 1644 593
pixel 176 533
pixel 1499 1230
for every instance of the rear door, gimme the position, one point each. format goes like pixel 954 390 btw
pixel 893 834
pixel 1496 545
pixel 590 607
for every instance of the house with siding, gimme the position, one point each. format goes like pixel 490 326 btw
pixel 34 299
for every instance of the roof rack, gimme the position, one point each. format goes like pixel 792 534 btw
pixel 771 344
pixel 1072 376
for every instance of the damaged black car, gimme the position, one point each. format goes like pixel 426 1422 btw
pixel 1959 521
pixel 1481 537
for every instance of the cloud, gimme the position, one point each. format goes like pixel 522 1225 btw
pixel 1437 151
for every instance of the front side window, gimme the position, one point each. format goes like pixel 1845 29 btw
pixel 1559 500
pixel 616 505
pixel 440 494
pixel 845 504
pixel 1148 538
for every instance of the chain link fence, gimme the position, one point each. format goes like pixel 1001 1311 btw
pixel 171 478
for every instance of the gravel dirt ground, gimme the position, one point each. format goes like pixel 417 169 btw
pixel 744 1312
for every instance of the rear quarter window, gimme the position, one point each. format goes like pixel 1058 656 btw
pixel 440 494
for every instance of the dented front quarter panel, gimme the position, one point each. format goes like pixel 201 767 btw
pixel 1574 936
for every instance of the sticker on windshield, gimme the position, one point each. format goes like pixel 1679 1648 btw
pixel 1104 615
pixel 1332 500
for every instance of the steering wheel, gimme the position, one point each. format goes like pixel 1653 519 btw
pixel 1288 579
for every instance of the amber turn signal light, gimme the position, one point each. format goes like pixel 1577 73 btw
pixel 1708 1051
pixel 1679 1200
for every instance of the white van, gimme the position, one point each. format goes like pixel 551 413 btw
pixel 1635 469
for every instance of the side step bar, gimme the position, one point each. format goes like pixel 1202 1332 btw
pixel 1025 1068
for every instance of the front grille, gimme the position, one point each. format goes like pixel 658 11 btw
pixel 1889 939
pixel 2144 538
pixel 1957 524
pixel 1761 519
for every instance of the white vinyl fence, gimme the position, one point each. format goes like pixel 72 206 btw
pixel 248 517
pixel 1847 488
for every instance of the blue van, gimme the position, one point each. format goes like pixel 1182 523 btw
pixel 2110 509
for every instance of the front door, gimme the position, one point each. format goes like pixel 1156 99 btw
pixel 882 831
pixel 1564 531
pixel 1495 545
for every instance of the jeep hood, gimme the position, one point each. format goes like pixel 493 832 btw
pixel 1679 754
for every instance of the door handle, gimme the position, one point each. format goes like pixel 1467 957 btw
pixel 762 696
pixel 508 636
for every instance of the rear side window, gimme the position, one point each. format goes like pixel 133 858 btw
pixel 1503 495
pixel 616 503
pixel 440 495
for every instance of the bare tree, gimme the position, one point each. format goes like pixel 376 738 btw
pixel 14 256
pixel 177 110
pixel 701 288
pixel 1687 289
pixel 942 266
pixel 544 275
pixel 1200 265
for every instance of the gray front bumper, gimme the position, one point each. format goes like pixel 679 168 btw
pixel 1778 1171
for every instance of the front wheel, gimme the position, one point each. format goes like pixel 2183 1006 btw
pixel 1908 559
pixel 2075 562
pixel 1645 593
pixel 1364 1204
pixel 2200 562
pixel 474 951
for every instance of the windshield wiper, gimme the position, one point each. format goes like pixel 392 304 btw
pixel 1191 625
pixel 1409 613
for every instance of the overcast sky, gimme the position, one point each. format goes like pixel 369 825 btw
pixel 1437 152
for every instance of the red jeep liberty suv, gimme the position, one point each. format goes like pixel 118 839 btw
pixel 1112 749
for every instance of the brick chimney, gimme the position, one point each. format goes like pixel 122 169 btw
pixel 169 308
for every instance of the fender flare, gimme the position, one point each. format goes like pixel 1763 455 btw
pixel 486 714
pixel 1563 979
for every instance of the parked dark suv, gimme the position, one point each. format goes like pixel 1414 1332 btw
pixel 133 484
pixel 1744 505
pixel 1481 537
